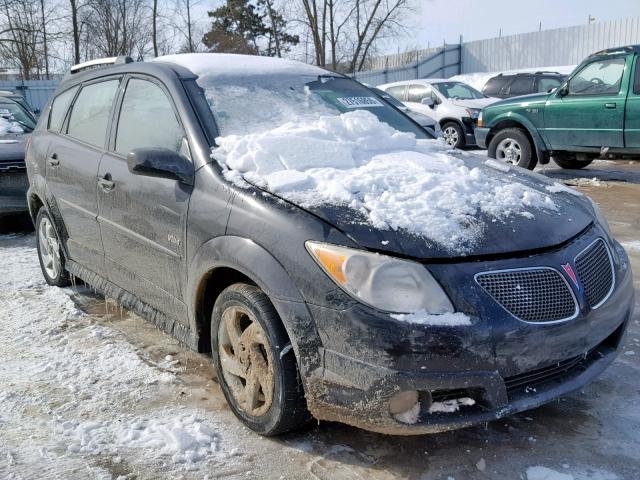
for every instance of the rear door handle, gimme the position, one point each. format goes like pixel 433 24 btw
pixel 106 183
pixel 53 160
pixel 609 105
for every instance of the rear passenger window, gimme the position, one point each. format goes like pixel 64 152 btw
pixel 521 86
pixel 90 113
pixel 494 85
pixel 147 119
pixel 636 80
pixel 397 92
pixel 59 109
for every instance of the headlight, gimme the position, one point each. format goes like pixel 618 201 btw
pixel 385 283
pixel 480 122
pixel 599 217
pixel 473 113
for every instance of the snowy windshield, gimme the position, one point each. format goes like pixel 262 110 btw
pixel 244 105
pixel 458 91
pixel 12 114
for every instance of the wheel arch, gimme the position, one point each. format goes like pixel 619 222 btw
pixel 226 260
pixel 529 130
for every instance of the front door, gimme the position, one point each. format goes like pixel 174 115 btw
pixel 72 167
pixel 143 218
pixel 589 111
pixel 632 118
pixel 415 94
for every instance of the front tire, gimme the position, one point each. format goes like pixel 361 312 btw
pixel 50 253
pixel 453 135
pixel 569 161
pixel 512 146
pixel 256 367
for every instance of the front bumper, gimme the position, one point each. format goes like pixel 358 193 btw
pixel 480 134
pixel 504 364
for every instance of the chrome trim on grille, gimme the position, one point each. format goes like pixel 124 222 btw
pixel 530 269
pixel 613 271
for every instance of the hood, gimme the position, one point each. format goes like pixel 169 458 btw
pixel 12 146
pixel 513 235
pixel 478 103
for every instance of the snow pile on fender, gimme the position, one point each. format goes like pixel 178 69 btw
pixel 394 179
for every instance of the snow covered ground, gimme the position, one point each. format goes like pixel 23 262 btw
pixel 90 391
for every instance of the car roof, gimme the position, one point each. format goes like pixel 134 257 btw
pixel 230 64
pixel 189 66
pixel 616 50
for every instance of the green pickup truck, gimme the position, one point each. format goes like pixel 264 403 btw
pixel 596 112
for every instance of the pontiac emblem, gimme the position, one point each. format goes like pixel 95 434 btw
pixel 569 271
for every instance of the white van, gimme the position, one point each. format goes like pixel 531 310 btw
pixel 454 105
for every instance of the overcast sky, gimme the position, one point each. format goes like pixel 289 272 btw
pixel 439 20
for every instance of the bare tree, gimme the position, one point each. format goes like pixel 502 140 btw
pixel 186 24
pixel 21 41
pixel 76 30
pixel 118 27
pixel 350 29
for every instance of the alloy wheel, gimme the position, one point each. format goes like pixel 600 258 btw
pixel 450 136
pixel 49 248
pixel 245 358
pixel 509 151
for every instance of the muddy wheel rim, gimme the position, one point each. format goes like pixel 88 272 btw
pixel 509 151
pixel 49 248
pixel 450 135
pixel 245 359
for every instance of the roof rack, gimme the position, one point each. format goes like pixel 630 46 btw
pixel 101 62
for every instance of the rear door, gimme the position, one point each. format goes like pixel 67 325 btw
pixel 632 115
pixel 143 218
pixel 521 85
pixel 589 112
pixel 72 166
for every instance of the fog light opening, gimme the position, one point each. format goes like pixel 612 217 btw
pixel 405 406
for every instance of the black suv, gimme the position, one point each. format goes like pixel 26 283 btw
pixel 185 188
pixel 514 85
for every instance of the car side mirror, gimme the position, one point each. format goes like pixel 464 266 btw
pixel 428 101
pixel 162 163
pixel 563 92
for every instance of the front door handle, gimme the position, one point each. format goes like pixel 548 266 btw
pixel 609 105
pixel 53 160
pixel 106 183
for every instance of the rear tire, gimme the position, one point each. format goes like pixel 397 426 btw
pixel 50 253
pixel 512 146
pixel 256 367
pixel 453 135
pixel 569 161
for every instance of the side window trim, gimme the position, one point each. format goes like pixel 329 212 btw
pixel 636 76
pixel 595 94
pixel 65 126
pixel 115 118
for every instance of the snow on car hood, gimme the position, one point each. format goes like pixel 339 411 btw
pixel 476 103
pixel 390 191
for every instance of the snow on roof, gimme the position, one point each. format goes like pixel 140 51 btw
pixel 228 64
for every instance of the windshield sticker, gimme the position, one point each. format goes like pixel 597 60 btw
pixel 360 102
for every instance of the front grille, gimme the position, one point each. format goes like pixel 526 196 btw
pixel 533 295
pixel 596 272
pixel 12 165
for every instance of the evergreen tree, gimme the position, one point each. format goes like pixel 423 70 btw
pixel 250 27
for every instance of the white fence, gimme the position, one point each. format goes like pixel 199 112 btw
pixel 560 46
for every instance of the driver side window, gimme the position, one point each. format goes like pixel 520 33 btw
pixel 602 77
